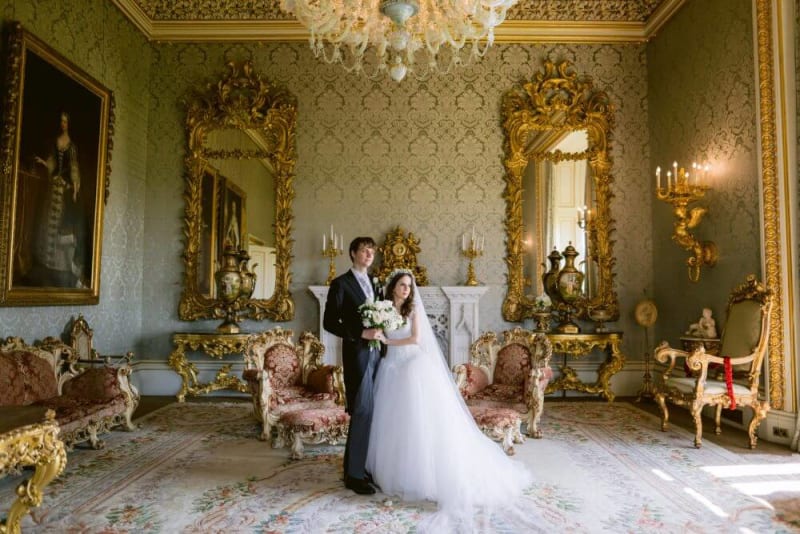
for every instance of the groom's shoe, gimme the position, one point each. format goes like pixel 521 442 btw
pixel 359 486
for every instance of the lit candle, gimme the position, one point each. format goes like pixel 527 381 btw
pixel 332 236
pixel 669 180
pixel 658 177
pixel 323 243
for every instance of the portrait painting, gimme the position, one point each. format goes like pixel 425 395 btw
pixel 232 217
pixel 55 187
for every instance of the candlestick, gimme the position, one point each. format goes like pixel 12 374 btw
pixel 331 249
pixel 680 191
pixel 472 251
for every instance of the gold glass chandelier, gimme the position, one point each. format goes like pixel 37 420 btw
pixel 399 36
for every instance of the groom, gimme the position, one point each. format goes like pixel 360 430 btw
pixel 342 319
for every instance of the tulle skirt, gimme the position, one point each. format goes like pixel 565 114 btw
pixel 424 445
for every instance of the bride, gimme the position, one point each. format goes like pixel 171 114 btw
pixel 423 443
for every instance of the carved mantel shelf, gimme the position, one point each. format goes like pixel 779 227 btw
pixel 453 312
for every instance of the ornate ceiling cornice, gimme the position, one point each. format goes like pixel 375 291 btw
pixel 530 21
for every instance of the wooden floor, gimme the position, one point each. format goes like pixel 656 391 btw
pixel 733 439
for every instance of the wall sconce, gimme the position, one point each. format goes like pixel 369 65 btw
pixel 682 189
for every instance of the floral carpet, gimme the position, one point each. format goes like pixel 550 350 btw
pixel 199 467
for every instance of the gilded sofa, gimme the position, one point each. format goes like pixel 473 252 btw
pixel 504 382
pixel 86 401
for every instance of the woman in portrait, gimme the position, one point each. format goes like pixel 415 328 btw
pixel 59 244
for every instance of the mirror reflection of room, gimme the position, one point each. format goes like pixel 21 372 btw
pixel 245 207
pixel 557 195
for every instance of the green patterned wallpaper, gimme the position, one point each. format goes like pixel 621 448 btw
pixel 426 155
pixel 422 154
pixel 702 101
pixel 96 37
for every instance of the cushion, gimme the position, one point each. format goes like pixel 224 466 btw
pixel 283 365
pixel 97 383
pixel 712 387
pixel 295 394
pixel 489 403
pixel 492 417
pixel 320 380
pixel 315 419
pixel 475 382
pixel 513 365
pixel 25 378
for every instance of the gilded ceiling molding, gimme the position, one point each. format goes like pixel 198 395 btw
pixel 769 180
pixel 532 21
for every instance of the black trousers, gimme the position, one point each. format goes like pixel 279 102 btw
pixel 360 365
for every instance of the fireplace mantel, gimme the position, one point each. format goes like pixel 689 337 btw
pixel 453 312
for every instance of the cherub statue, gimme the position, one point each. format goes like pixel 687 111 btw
pixel 705 327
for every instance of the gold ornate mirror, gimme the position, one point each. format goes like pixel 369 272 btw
pixel 558 176
pixel 239 173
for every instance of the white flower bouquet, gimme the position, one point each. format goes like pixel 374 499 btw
pixel 380 314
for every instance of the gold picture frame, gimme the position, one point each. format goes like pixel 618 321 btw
pixel 55 168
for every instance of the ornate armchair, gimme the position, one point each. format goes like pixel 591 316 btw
pixel 742 352
pixel 505 381
pixel 294 397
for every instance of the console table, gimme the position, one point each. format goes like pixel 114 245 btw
pixel 215 345
pixel 578 345
pixel 29 437
pixel 453 312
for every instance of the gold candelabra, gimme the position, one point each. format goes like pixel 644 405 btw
pixel 330 249
pixel 681 190
pixel 471 248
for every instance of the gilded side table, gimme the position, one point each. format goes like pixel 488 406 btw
pixel 28 439
pixel 578 345
pixel 215 345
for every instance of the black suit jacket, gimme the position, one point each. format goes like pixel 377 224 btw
pixel 343 319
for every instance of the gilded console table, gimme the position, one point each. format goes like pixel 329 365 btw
pixel 578 345
pixel 24 442
pixel 215 345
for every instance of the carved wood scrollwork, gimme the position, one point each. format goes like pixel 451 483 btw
pixel 557 99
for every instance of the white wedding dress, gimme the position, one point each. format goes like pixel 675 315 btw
pixel 424 444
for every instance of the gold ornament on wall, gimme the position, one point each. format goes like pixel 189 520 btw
pixel 400 252
pixel 681 189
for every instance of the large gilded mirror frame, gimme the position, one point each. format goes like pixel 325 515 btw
pixel 558 101
pixel 242 101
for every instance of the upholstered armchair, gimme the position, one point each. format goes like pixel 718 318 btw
pixel 289 385
pixel 743 349
pixel 504 380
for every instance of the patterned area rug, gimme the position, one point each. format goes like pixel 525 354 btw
pixel 199 467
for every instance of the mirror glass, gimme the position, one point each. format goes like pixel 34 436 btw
pixel 240 166
pixel 556 202
pixel 558 177
pixel 245 217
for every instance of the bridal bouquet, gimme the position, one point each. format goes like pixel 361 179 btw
pixel 380 314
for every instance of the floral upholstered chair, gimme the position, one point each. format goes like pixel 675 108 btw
pixel 295 398
pixel 504 382
pixel 742 352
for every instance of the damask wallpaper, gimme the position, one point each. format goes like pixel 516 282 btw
pixel 96 37
pixel 426 155
pixel 702 101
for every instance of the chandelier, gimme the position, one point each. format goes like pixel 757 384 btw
pixel 399 36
